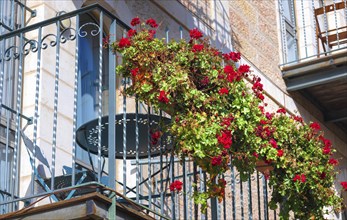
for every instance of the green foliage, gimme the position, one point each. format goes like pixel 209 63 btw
pixel 217 120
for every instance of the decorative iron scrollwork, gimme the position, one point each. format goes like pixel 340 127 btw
pixel 83 33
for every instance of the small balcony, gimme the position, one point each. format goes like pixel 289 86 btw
pixel 72 145
pixel 314 42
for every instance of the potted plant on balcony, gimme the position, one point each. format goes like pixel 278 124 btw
pixel 218 118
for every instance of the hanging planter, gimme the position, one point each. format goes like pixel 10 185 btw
pixel 263 167
pixel 218 120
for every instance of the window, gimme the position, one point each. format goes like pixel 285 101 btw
pixel 289 41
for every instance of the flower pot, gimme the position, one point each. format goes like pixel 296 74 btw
pixel 263 167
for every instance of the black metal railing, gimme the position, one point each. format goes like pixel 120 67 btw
pixel 72 126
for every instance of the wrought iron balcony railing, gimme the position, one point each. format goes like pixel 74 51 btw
pixel 311 29
pixel 68 127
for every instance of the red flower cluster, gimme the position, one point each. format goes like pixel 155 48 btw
pixel 197 48
pixel 151 22
pixel 176 186
pixel 223 91
pixel 234 56
pixel 216 161
pixel 244 69
pixel 263 132
pixel 163 97
pixel 134 72
pixel 225 139
pixel 279 153
pixel 195 34
pixel 131 32
pixel 315 126
pixel 135 21
pixel 273 143
pixel 227 121
pixel 301 178
pixel 333 161
pixel 124 42
pixel 257 86
pixel 344 185
pixel 281 110
pixel 231 73
pixel 151 34
pixel 298 119
pixel 326 150
pixel 155 137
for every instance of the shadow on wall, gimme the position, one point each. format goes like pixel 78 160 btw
pixel 211 17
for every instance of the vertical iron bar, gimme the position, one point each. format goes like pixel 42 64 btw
pixel 149 159
pixel 137 149
pixel 303 25
pixel 326 26
pixel 161 170
pixel 241 200
pixel 233 191
pixel 337 31
pixel 101 21
pixel 185 202
pixel 250 211
pixel 36 115
pixel 124 138
pixel 112 111
pixel 195 189
pixel 205 190
pixel 214 208
pixel 224 204
pixel 202 189
pixel 258 193
pixel 172 193
pixel 55 111
pixel 111 120
pixel 265 198
pixel 16 151
pixel 295 28
pixel 314 24
pixel 74 126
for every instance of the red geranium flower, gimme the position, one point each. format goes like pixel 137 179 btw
pixel 225 139
pixel 134 72
pixel 298 118
pixel 223 91
pixel 326 150
pixel 135 21
pixel 195 33
pixel 315 126
pixel 279 153
pixel 273 143
pixel 176 186
pixel 344 185
pixel 235 56
pixel 131 32
pixel 333 161
pixel 216 161
pixel 244 69
pixel 163 97
pixel 197 48
pixel 301 178
pixel 261 96
pixel 281 110
pixel 151 22
pixel 124 42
